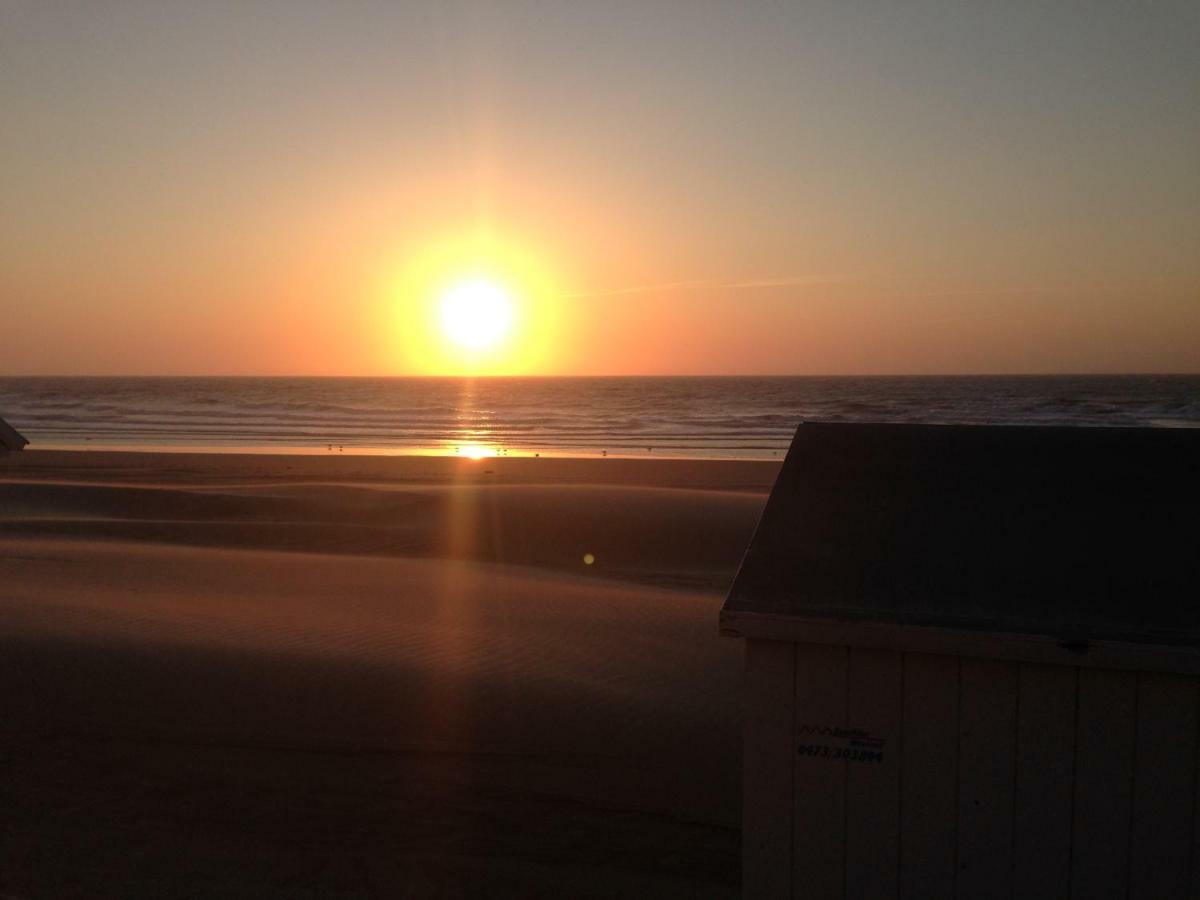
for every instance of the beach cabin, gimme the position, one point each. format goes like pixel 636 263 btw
pixel 10 438
pixel 971 665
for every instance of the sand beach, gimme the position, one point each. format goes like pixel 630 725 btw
pixel 253 675
pixel 390 394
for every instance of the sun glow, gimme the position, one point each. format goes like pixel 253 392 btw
pixel 475 303
pixel 476 314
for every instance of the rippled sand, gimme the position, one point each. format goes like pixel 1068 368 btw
pixel 272 676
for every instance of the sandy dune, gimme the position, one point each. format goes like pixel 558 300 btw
pixel 249 676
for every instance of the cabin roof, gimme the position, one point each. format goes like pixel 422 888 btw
pixel 10 438
pixel 1071 533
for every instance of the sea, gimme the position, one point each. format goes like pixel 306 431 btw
pixel 721 417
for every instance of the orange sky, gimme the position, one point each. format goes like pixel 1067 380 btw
pixel 672 189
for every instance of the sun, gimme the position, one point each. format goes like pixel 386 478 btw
pixel 476 314
pixel 471 303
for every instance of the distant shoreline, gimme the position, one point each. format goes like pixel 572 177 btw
pixel 584 417
pixel 766 456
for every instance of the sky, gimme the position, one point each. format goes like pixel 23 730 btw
pixel 661 187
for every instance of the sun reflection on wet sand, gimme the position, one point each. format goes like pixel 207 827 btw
pixel 475 451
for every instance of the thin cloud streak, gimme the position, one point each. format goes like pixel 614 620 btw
pixel 642 289
pixel 785 281
pixel 899 285
pixel 711 285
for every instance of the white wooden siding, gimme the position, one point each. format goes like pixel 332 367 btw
pixel 994 778
pixel 987 756
pixel 1160 845
pixel 819 835
pixel 1045 777
pixel 1104 777
pixel 767 769
pixel 875 689
pixel 928 748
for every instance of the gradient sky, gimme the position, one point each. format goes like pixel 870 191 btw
pixel 770 187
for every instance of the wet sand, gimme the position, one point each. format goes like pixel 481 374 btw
pixel 243 675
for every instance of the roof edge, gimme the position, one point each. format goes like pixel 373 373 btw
pixel 1098 653
pixel 10 438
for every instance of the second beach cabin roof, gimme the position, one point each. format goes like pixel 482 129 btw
pixel 10 438
pixel 1074 534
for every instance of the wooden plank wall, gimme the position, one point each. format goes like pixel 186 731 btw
pixel 767 731
pixel 875 774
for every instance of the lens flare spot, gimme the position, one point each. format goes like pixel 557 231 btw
pixel 588 559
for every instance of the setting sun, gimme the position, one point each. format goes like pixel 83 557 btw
pixel 474 302
pixel 476 314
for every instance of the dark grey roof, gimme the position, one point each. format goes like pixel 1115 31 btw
pixel 10 438
pixel 1089 533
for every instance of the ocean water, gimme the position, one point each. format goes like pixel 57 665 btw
pixel 746 417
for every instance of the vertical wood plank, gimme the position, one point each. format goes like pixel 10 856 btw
pixel 819 846
pixel 1045 782
pixel 929 763
pixel 1163 787
pixel 875 692
pixel 769 707
pixel 1104 747
pixel 1194 890
pixel 986 770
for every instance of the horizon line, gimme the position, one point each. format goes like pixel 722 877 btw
pixel 1096 374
